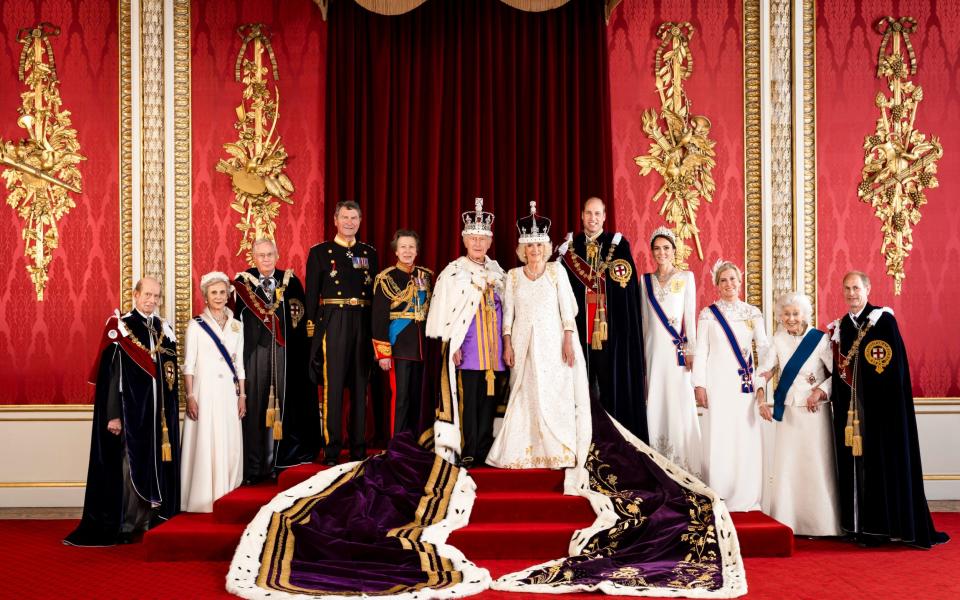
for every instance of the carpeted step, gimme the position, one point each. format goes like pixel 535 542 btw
pixel 762 536
pixel 535 541
pixel 192 536
pixel 242 504
pixel 538 507
pixel 488 479
pixel 294 475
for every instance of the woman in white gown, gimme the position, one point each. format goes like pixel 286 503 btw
pixel 669 305
pixel 803 491
pixel 539 429
pixel 212 460
pixel 723 376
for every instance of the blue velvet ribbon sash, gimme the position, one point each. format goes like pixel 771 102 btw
pixel 807 345
pixel 746 364
pixel 679 339
pixel 220 347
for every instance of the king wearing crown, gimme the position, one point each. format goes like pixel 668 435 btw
pixel 466 314
pixel 604 280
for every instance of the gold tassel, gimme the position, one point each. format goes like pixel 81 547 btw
pixel 848 430
pixel 857 439
pixel 166 452
pixel 271 407
pixel 603 330
pixel 490 380
pixel 278 429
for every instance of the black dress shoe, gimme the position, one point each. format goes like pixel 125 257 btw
pixel 125 537
pixel 330 462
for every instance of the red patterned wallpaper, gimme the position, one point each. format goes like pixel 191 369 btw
pixel 715 89
pixel 299 41
pixel 47 347
pixel 849 234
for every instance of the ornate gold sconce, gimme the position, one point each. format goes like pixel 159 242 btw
pixel 899 162
pixel 680 149
pixel 257 159
pixel 42 168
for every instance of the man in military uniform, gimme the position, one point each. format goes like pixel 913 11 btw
pixel 401 299
pixel 878 452
pixel 133 478
pixel 339 293
pixel 282 425
pixel 604 280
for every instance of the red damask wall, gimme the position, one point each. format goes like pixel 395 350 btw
pixel 848 233
pixel 299 41
pixel 715 89
pixel 46 348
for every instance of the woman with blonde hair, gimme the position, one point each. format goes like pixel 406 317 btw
pixel 212 459
pixel 724 385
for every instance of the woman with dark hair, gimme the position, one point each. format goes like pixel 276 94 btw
pixel 669 312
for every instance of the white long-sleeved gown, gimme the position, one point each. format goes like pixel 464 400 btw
pixel 803 479
pixel 211 462
pixel 671 407
pixel 732 444
pixel 540 426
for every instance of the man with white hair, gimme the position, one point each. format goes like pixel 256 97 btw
pixel 467 315
pixel 133 478
pixel 875 428
pixel 282 425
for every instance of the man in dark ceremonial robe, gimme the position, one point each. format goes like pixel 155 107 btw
pixel 604 280
pixel 878 453
pixel 133 479
pixel 401 299
pixel 282 425
pixel 339 293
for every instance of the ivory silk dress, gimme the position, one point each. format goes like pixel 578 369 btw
pixel 212 461
pixel 671 406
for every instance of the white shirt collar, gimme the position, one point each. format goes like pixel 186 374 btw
pixel 142 314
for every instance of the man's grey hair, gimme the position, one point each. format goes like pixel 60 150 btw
pixel 864 278
pixel 262 241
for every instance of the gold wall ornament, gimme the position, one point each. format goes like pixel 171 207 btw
pixel 41 169
pixel 257 159
pixel 899 161
pixel 681 150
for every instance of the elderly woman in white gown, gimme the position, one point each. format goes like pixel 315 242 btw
pixel 803 491
pixel 539 429
pixel 724 380
pixel 669 305
pixel 212 460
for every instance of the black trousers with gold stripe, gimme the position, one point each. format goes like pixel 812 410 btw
pixel 347 357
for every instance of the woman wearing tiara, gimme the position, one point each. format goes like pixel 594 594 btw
pixel 724 380
pixel 548 382
pixel 669 305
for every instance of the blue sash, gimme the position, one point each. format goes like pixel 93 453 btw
pixel 807 345
pixel 679 339
pixel 746 364
pixel 220 347
pixel 398 324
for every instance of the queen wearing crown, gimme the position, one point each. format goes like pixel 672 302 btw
pixel 669 313
pixel 549 391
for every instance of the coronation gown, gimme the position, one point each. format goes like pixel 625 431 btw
pixel 803 488
pixel 732 446
pixel 540 426
pixel 671 406
pixel 212 460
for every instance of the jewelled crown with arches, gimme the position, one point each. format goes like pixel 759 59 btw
pixel 533 228
pixel 477 221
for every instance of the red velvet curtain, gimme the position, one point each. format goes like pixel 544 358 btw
pixel 455 100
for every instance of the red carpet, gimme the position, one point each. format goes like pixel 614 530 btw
pixel 529 501
pixel 33 564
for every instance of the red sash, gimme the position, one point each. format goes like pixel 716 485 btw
pixel 587 276
pixel 139 355
pixel 258 308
